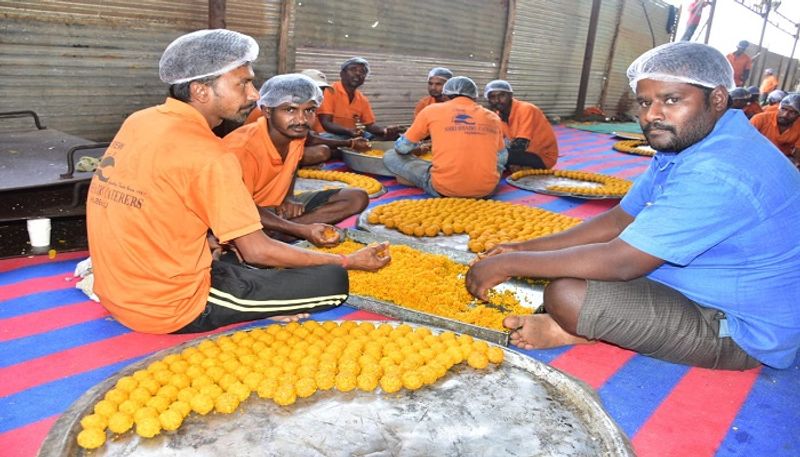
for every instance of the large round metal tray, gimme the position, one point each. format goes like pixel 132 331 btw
pixel 455 242
pixel 310 185
pixel 540 184
pixel 522 407
pixel 368 164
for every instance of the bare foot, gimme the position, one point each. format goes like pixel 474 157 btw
pixel 539 331
pixel 290 318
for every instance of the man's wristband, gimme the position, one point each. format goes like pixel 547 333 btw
pixel 344 261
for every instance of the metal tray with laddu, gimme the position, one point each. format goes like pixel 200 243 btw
pixel 521 407
pixel 357 161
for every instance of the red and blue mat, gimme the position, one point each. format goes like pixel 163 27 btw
pixel 55 344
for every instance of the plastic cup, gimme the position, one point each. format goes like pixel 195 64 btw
pixel 39 232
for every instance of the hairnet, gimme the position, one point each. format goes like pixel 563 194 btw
pixel 353 61
pixel 792 101
pixel 775 96
pixel 744 44
pixel 440 72
pixel 205 53
pixel 753 90
pixel 683 62
pixel 740 93
pixel 499 85
pixel 769 71
pixel 460 85
pixel 289 88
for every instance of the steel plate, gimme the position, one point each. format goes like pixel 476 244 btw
pixel 540 184
pixel 522 407
pixel 368 164
pixel 629 135
pixel 311 185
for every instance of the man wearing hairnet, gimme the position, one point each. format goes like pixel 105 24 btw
pixel 699 264
pixel 166 181
pixel 773 100
pixel 752 107
pixel 740 97
pixel 741 63
pixel 531 140
pixel 781 126
pixel 468 150
pixel 345 109
pixel 437 78
pixel 768 84
pixel 269 151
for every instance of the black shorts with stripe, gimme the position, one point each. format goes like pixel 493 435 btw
pixel 240 293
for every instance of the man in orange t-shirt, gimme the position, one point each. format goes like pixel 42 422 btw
pixel 346 113
pixel 437 78
pixel 752 107
pixel 468 150
pixel 531 140
pixel 269 151
pixel 166 180
pixel 768 84
pixel 741 63
pixel 774 100
pixel 782 127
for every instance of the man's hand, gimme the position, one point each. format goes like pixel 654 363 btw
pixel 393 131
pixel 370 258
pixel 485 274
pixel 290 209
pixel 322 235
pixel 422 149
pixel 216 248
pixel 361 144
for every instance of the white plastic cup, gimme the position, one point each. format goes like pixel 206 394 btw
pixel 39 232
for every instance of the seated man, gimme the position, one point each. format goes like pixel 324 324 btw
pixel 437 77
pixel 699 264
pixel 269 151
pixel 768 84
pixel 531 140
pixel 739 97
pixel 753 107
pixel 468 149
pixel 346 113
pixel 166 180
pixel 773 100
pixel 781 127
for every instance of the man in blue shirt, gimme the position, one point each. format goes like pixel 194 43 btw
pixel 700 263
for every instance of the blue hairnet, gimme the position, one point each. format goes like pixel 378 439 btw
pixel 353 61
pixel 775 96
pixel 683 62
pixel 461 85
pixel 497 85
pixel 792 101
pixel 205 53
pixel 740 93
pixel 290 88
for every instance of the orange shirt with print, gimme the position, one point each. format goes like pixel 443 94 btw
pixel 266 175
pixel 767 124
pixel 466 138
pixel 164 181
pixel 739 63
pixel 337 104
pixel 527 121
pixel 423 103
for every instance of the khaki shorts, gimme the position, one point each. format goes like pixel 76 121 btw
pixel 652 319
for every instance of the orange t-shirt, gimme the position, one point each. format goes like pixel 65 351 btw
pixel 739 63
pixel 770 108
pixel 337 103
pixel 527 121
pixel 751 109
pixel 257 113
pixel 163 182
pixel 769 84
pixel 266 175
pixel 422 103
pixel 767 124
pixel 466 138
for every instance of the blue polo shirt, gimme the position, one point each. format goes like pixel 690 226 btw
pixel 724 215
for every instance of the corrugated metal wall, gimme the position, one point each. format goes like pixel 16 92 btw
pixel 402 41
pixel 86 65
pixel 634 39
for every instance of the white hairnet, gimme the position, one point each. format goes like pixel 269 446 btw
pixel 740 93
pixel 497 85
pixel 354 61
pixel 440 72
pixel 792 101
pixel 205 53
pixel 775 96
pixel 683 62
pixel 460 85
pixel 290 88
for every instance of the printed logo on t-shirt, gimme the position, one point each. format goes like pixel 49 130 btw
pixel 108 191
pixel 465 119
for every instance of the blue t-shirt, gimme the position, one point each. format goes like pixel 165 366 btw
pixel 724 214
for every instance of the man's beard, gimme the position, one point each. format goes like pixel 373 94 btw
pixel 242 114
pixel 695 130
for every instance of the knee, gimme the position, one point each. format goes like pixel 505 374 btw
pixel 335 278
pixel 360 200
pixel 563 299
